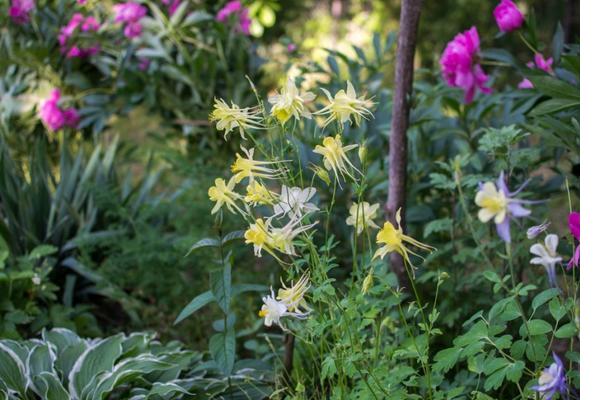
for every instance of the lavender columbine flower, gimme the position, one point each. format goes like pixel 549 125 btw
pixel 536 230
pixel 547 257
pixel 498 203
pixel 552 380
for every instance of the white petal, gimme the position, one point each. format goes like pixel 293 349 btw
pixel 551 242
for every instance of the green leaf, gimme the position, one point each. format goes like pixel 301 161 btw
pixel 544 297
pixel 40 359
pixel 491 276
pixel 96 359
pixel 446 359
pixel 552 106
pixel 12 370
pixel 328 368
pixel 196 304
pixel 166 390
pixel 220 285
pixel 515 371
pixel 42 251
pixel 438 225
pixel 206 242
pixel 49 387
pixel 222 348
pixel 537 327
pixel 566 331
pixel 554 87
pixel 557 309
pixel 494 381
pixel 231 236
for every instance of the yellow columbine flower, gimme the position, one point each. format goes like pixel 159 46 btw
pixel 290 102
pixel 493 203
pixel 335 158
pixel 230 117
pixel 361 216
pixel 222 193
pixel 394 240
pixel 256 193
pixel 293 297
pixel 250 168
pixel 346 106
pixel 258 235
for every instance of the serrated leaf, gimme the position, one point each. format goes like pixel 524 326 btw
pixel 446 359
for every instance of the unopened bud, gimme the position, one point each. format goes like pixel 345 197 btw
pixel 367 283
pixel 362 153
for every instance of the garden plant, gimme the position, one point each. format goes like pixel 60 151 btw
pixel 195 203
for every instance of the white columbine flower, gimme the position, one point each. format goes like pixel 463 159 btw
pixel 547 257
pixel 272 311
pixel 294 202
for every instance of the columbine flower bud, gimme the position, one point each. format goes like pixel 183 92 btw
pixel 367 283
pixel 362 153
pixel 321 173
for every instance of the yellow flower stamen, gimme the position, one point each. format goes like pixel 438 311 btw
pixel 230 117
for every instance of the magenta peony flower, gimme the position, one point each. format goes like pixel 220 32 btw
pixel 574 227
pixel 508 17
pixel 54 117
pixel 19 10
pixel 460 67
pixel 130 13
pixel 67 33
pixel 538 62
pixel 235 8
pixel 172 5
pixel 525 84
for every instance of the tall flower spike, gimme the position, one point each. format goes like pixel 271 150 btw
pixel 222 193
pixel 293 297
pixel 335 158
pixel 394 240
pixel 547 257
pixel 498 203
pixel 250 168
pixel 230 117
pixel 290 103
pixel 346 106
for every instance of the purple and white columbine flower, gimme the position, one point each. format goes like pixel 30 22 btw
pixel 497 202
pixel 536 230
pixel 552 380
pixel 547 257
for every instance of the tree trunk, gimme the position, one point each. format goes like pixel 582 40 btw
pixel 405 54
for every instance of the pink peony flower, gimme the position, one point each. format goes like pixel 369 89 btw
pixel 235 8
pixel 172 5
pixel 130 13
pixel 538 62
pixel 525 84
pixel 508 17
pixel 67 33
pixel 54 117
pixel 460 67
pixel 574 227
pixel 19 10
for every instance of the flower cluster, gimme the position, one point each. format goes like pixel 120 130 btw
pixel 54 116
pixel 19 10
pixel 280 216
pixel 540 63
pixel 78 23
pixel 130 14
pixel 235 8
pixel 460 66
